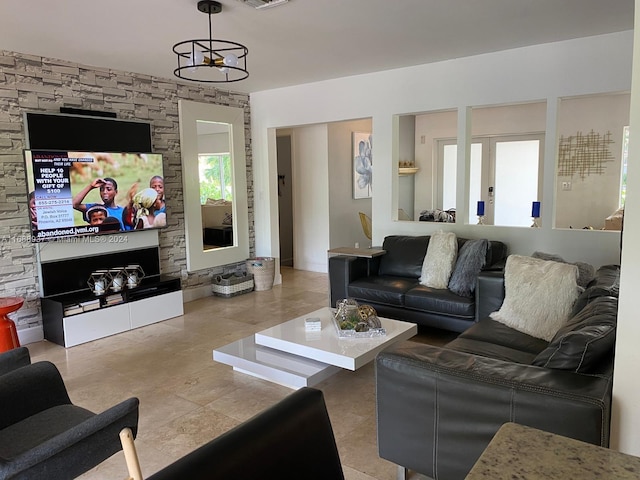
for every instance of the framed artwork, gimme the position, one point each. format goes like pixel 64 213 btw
pixel 362 165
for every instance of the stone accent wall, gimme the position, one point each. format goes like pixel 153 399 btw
pixel 32 83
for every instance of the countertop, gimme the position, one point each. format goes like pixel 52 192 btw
pixel 519 452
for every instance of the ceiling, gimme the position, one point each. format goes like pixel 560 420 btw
pixel 303 40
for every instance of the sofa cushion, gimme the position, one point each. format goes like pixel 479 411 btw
pixel 539 295
pixel 437 300
pixel 438 263
pixel 491 350
pixel 404 256
pixel 386 290
pixel 471 258
pixel 491 331
pixel 585 340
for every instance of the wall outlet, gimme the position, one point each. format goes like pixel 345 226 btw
pixel 566 185
pixel 423 139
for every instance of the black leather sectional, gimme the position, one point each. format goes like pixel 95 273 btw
pixel 390 283
pixel 439 407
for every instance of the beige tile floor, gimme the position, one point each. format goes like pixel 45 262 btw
pixel 186 398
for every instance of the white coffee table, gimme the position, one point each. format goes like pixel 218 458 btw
pixel 289 355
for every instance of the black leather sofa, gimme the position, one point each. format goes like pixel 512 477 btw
pixel 390 283
pixel 439 407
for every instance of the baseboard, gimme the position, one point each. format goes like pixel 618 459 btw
pixel 191 294
pixel 30 335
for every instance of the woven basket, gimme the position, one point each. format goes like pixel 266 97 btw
pixel 263 269
pixel 230 285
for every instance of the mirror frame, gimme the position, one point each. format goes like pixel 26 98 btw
pixel 197 257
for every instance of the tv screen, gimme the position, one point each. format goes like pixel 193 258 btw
pixel 73 194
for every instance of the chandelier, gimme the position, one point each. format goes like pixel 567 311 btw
pixel 210 60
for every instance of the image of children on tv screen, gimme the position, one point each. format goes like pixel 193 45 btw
pixel 108 191
pixel 157 183
pixel 33 215
pixel 96 214
pixel 147 208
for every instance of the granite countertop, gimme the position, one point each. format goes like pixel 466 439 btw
pixel 519 452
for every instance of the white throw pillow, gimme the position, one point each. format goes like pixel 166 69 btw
pixel 539 295
pixel 439 261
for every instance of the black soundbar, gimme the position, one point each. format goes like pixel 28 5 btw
pixel 82 111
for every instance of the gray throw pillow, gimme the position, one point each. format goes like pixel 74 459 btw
pixel 471 258
pixel 586 272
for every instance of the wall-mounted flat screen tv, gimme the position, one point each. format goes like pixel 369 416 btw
pixel 73 194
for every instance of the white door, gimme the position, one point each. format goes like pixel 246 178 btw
pixel 505 173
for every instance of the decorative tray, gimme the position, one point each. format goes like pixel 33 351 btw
pixel 353 333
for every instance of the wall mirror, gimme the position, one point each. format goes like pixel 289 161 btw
pixel 213 165
pixel 593 133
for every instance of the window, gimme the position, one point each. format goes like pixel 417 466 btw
pixel 215 176
pixel 504 173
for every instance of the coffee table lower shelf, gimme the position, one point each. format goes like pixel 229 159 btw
pixel 273 365
pixel 289 355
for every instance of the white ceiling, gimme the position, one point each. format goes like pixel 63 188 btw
pixel 303 40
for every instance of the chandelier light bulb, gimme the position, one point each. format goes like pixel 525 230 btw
pixel 224 69
pixel 231 60
pixel 196 58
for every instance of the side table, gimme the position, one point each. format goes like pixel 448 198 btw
pixel 8 334
pixel 367 253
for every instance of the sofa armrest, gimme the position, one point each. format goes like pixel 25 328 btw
pixel 29 390
pixel 489 293
pixel 342 271
pixel 78 449
pixel 438 409
pixel 14 358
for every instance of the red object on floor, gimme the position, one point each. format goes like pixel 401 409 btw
pixel 8 334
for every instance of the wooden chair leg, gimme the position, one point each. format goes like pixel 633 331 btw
pixel 130 454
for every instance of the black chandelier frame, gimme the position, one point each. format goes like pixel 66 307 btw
pixel 214 52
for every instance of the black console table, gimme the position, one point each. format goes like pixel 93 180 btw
pixel 221 236
pixel 156 298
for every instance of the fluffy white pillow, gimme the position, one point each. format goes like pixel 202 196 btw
pixel 438 263
pixel 539 295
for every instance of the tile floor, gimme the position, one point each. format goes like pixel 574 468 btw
pixel 186 398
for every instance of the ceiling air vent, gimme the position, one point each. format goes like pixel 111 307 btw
pixel 260 4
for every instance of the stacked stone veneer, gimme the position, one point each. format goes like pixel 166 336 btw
pixel 32 83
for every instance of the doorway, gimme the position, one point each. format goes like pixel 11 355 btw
pixel 285 199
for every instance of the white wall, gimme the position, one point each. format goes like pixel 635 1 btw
pixel 213 143
pixel 407 153
pixel 310 198
pixel 626 388
pixel 345 228
pixel 594 197
pixel 431 126
pixel 544 72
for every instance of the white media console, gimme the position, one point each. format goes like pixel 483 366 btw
pixel 153 301
pixel 64 283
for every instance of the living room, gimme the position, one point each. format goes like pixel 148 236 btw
pixel 585 66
